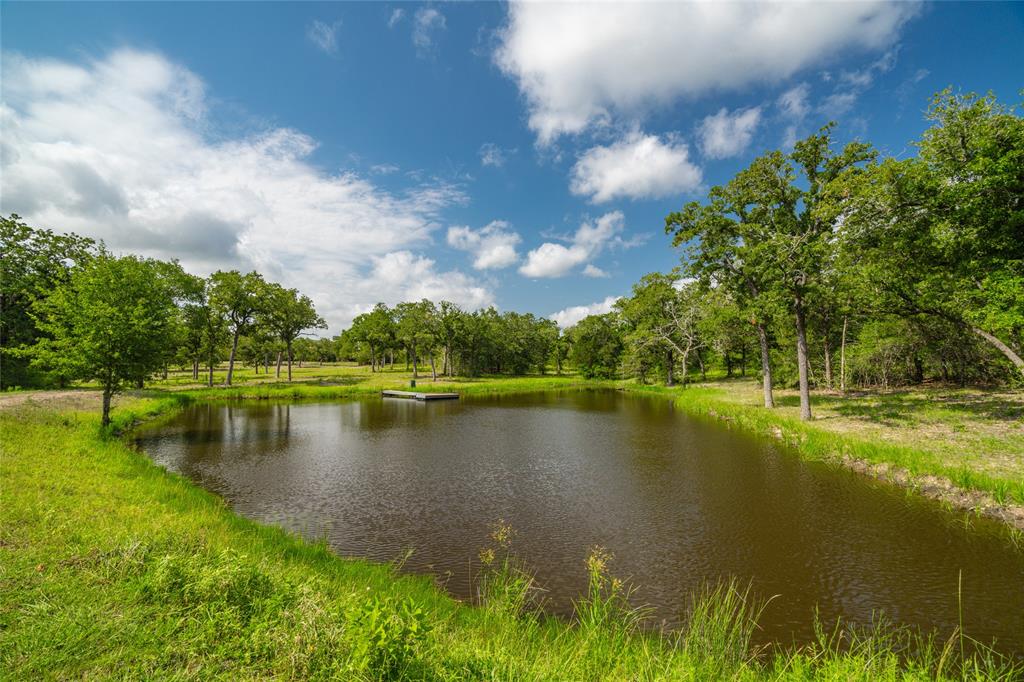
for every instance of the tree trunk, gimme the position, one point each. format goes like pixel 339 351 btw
pixel 828 365
pixel 210 378
pixel 231 358
pixel 195 369
pixel 413 351
pixel 766 365
pixel 670 379
pixel 743 360
pixel 290 361
pixel 842 358
pixel 433 368
pixel 728 365
pixel 165 372
pixel 1003 348
pixel 266 362
pixel 801 358
pixel 107 392
pixel 700 361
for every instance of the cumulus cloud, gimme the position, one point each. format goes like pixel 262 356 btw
pixel 637 166
pixel 324 35
pixel 492 246
pixel 556 260
pixel 579 64
pixel 569 316
pixel 425 24
pixel 396 16
pixel 728 134
pixel 593 271
pixel 163 182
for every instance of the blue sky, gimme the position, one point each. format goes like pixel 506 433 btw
pixel 517 155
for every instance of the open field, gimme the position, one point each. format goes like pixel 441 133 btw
pixel 114 567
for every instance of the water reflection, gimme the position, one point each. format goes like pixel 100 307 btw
pixel 677 501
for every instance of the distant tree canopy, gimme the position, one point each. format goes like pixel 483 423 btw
pixel 827 266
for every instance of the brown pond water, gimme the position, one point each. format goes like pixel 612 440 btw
pixel 678 501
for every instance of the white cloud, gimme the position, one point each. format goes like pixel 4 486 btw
pixel 493 155
pixel 324 35
pixel 384 168
pixel 556 260
pixel 579 64
pixel 493 246
pixel 723 134
pixel 637 166
pixel 793 102
pixel 405 276
pixel 853 83
pixel 396 16
pixel 593 271
pixel 569 316
pixel 838 103
pixel 163 182
pixel 426 22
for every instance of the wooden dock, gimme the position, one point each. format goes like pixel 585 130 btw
pixel 411 395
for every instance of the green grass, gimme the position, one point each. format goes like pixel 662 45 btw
pixel 112 567
pixel 975 439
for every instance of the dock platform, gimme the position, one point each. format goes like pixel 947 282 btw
pixel 411 395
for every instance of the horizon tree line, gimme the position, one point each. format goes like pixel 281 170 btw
pixel 908 269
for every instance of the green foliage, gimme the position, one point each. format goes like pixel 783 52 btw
pixel 33 263
pixel 110 322
pixel 941 233
pixel 596 346
pixel 388 635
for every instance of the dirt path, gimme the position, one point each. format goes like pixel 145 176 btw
pixel 73 398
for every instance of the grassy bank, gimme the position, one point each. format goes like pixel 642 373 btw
pixel 963 446
pixel 113 567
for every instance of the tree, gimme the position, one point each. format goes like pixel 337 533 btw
pixel 287 314
pixel 725 328
pixel 663 316
pixel 414 329
pixel 239 299
pixel 943 233
pixel 34 262
pixel 798 237
pixel 447 327
pixel 110 322
pixel 376 330
pixel 597 346
pixel 725 252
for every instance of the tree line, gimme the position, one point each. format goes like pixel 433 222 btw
pixel 72 311
pixel 824 266
pixel 904 268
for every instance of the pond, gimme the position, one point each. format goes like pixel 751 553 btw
pixel 677 501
